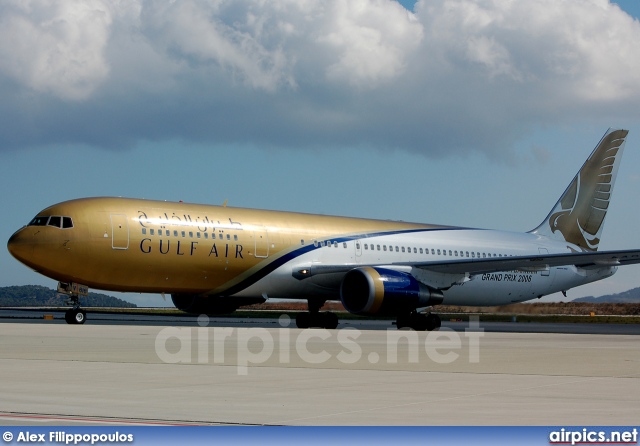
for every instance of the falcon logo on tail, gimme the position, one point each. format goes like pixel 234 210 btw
pixel 579 215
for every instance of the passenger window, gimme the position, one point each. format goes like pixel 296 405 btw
pixel 183 234
pixel 473 254
pixel 384 247
pixel 344 244
pixel 190 234
pixel 175 233
pixel 438 252
pixel 67 223
pixel 197 235
pixel 144 231
pixel 228 236
pixel 433 251
pixel 55 221
pixel 403 249
pixel 455 253
pixel 206 235
pixel 366 247
pixel 301 241
pixel 335 244
pixel 450 253
pixel 151 231
pixel 420 250
pixel 378 247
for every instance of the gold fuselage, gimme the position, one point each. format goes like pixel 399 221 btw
pixel 121 244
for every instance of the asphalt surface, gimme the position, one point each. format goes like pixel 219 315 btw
pixel 159 370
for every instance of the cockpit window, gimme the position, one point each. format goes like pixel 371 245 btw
pixel 39 221
pixel 55 221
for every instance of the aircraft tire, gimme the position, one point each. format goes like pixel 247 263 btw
pixel 303 320
pixel 319 320
pixel 403 320
pixel 80 316
pixel 330 320
pixel 419 322
pixel 75 316
pixel 433 322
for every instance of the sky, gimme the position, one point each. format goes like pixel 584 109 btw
pixel 458 112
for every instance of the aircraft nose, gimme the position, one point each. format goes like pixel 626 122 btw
pixel 20 247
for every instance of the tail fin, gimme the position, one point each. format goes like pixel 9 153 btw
pixel 578 216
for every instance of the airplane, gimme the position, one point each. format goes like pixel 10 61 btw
pixel 215 259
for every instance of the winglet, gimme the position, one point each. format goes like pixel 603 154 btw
pixel 578 217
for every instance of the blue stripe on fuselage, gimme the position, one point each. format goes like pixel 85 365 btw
pixel 282 260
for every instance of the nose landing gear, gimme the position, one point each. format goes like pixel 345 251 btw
pixel 75 315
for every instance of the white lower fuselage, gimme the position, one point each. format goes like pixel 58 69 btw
pixel 496 288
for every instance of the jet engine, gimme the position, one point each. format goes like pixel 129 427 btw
pixel 382 291
pixel 203 304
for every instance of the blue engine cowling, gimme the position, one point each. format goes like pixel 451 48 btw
pixel 382 291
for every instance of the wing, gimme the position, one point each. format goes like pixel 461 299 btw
pixel 586 260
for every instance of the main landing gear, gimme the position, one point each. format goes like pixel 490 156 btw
pixel 314 318
pixel 419 321
pixel 75 315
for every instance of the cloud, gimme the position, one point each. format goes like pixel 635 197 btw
pixel 455 76
pixel 586 49
pixel 55 47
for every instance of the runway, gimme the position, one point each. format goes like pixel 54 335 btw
pixel 131 373
pixel 33 315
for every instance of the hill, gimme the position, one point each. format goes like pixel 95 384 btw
pixel 39 296
pixel 627 297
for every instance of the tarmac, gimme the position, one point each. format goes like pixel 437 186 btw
pixel 52 373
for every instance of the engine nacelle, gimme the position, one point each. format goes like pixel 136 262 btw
pixel 202 304
pixel 384 291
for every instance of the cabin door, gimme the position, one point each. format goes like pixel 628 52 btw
pixel 261 242
pixel 119 231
